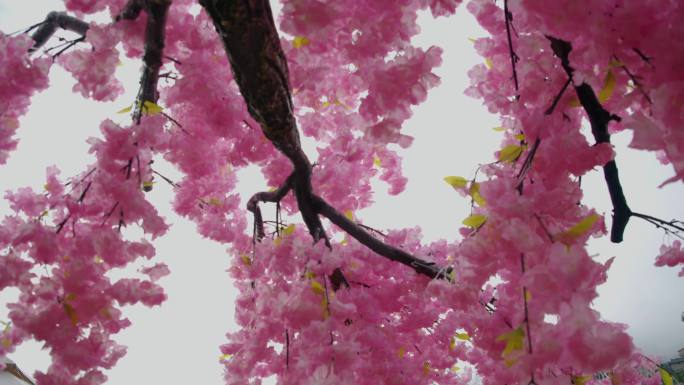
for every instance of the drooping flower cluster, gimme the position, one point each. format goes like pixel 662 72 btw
pixel 94 68
pixel 20 78
pixel 60 245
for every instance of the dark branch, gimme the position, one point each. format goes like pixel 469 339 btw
pixel 267 196
pixel 643 56
pixel 338 279
pixel 636 82
pixel 131 10
pixel 553 105
pixel 260 69
pixel 388 251
pixel 599 118
pixel 527 164
pixel 670 227
pixel 62 20
pixel 154 51
pixel 508 16
pixel 53 21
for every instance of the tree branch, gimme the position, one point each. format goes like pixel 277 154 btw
pixel 267 196
pixel 53 21
pixel 67 22
pixel 131 10
pixel 260 69
pixel 599 118
pixel 508 16
pixel 258 63
pixel 154 49
pixel 388 251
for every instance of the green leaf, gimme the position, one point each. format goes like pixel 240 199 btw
pixel 580 228
pixel 474 192
pixel 514 343
pixel 300 41
pixel 151 108
pixel 510 153
pixel 456 181
pixel 125 110
pixel 608 87
pixel 665 375
pixel 475 221
pixel 289 229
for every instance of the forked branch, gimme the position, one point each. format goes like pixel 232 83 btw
pixel 599 118
pixel 267 196
pixel 52 22
pixel 260 69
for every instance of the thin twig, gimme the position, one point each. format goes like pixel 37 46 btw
pixel 552 107
pixel 634 80
pixel 267 196
pixel 508 16
pixel 670 227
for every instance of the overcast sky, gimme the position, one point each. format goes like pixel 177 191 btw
pixel 178 343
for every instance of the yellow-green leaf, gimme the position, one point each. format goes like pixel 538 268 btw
pixel 317 288
pixel 615 63
pixel 214 202
pixel 608 87
pixel 499 129
pixel 247 261
pixel 71 312
pixel 520 137
pixel 528 295
pixel 349 214
pixel 580 228
pixel 463 336
pixel 514 343
pixel 426 368
pixel 665 375
pixel 125 110
pixel 289 229
pixel 474 192
pixel 580 380
pixel 151 108
pixel 475 221
pixel 377 162
pixel 510 153
pixel 488 63
pixel 456 181
pixel 300 41
pixel 225 357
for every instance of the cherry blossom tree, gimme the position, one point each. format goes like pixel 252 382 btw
pixel 333 300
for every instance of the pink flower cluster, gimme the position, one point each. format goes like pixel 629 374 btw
pixel 20 78
pixel 95 68
pixel 60 245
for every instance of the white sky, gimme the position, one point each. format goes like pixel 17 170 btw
pixel 178 343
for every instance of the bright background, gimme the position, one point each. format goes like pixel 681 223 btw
pixel 178 343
